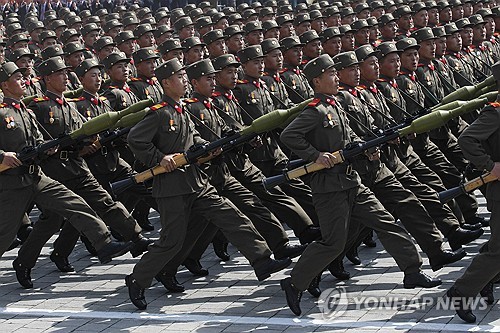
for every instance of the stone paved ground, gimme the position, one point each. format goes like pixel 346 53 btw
pixel 94 299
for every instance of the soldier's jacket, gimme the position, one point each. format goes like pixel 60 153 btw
pixel 305 60
pixel 34 48
pixel 296 84
pixel 446 75
pixel 256 101
pixel 106 159
pixel 494 43
pixel 225 101
pixel 120 96
pixel 483 56
pixel 145 88
pixel 89 53
pixel 59 116
pixel 361 122
pixel 474 64
pixel 322 127
pixel 278 89
pixel 167 130
pixel 73 81
pixel 34 86
pixel 18 131
pixel 480 144
pixel 430 82
pixel 462 71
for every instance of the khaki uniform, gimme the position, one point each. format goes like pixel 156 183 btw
pixel 480 143
pixel 184 192
pixel 26 184
pixel 340 199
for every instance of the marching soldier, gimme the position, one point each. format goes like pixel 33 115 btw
pixel 145 85
pixel 273 62
pixel 182 193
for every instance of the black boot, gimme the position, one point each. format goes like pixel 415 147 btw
pixel 310 234
pixel 461 237
pixel 368 240
pixel 170 283
pixel 289 251
pixel 336 267
pixel 267 266
pixel 24 232
pixel 113 250
pixel 140 245
pixel 353 256
pixel 220 249
pixel 420 279
pixel 471 226
pixel 458 301
pixel 292 295
pixel 195 267
pixel 62 263
pixel 487 292
pixel 141 215
pixel 446 257
pixel 136 293
pixel 23 274
pixel 314 286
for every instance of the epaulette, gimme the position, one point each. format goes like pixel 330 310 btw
pixel 158 106
pixel 494 104
pixel 314 102
pixel 216 94
pixel 112 87
pixel 3 105
pixel 242 81
pixel 41 99
pixel 35 79
pixel 134 79
pixel 283 70
pixel 74 99
pixel 102 98
pixel 361 87
pixel 191 100
pixel 382 80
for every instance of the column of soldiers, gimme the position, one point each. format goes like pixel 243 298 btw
pixel 211 71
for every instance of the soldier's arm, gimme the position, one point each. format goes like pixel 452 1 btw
pixel 480 130
pixel 140 139
pixel 294 135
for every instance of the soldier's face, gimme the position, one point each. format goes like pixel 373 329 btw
pixel 105 51
pixel 147 68
pixel 389 30
pixel 445 15
pixel 490 26
pixel 332 46
pixel 272 33
pixel 127 47
pixel 14 86
pixel 348 42
pixel 254 68
pixel 20 45
pixel 235 43
pixel 333 21
pixel 467 9
pixel 194 54
pixel 205 85
pixel 440 46
pixel 406 22
pixel 255 37
pixel 318 25
pixel 92 80
pixel 175 54
pixel 466 34
pixel 75 59
pixel 409 59
pixel 378 12
pixel 303 27
pixel 176 85
pixel 227 77
pixel 369 69
pixel 350 75
pixel 362 36
pixel 186 32
pixel 274 60
pixel 454 42
pixel 327 83
pixel 90 38
pixel 115 31
pixel 313 49
pixel 427 49
pixel 421 18
pixel 293 56
pixel 222 24
pixel 57 81
pixel 390 65
pixel 25 62
pixel 146 40
pixel 433 15
pixel 119 72
pixel 217 48
pixel 457 12
pixel 287 30
pixel 479 32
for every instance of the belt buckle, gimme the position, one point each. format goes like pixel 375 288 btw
pixel 63 155
pixel 31 169
pixel 349 170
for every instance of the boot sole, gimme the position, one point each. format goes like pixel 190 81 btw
pixel 438 267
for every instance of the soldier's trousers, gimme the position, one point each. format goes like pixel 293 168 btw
pixel 294 188
pixel 175 216
pixel 486 265
pixel 111 212
pixel 435 159
pixel 403 204
pixel 249 204
pixel 47 193
pixel 442 215
pixel 285 207
pixel 340 214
